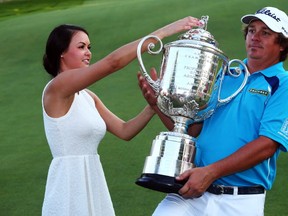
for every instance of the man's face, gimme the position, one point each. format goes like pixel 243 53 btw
pixel 261 43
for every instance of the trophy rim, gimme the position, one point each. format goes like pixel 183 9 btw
pixel 198 45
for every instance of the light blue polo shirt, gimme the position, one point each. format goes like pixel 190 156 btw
pixel 261 108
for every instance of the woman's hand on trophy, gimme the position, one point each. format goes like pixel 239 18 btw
pixel 147 91
pixel 180 25
pixel 151 97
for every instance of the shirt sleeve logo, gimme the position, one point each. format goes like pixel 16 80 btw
pixel 284 129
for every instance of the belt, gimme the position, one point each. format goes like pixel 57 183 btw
pixel 219 189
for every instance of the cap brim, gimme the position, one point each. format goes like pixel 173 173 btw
pixel 248 18
pixel 273 26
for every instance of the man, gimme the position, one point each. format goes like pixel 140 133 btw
pixel 238 145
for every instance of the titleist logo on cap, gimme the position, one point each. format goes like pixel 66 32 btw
pixel 284 30
pixel 268 13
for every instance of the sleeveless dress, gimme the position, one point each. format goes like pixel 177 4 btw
pixel 76 184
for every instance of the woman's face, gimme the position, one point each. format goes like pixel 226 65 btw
pixel 78 54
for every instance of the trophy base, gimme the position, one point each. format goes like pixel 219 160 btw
pixel 162 183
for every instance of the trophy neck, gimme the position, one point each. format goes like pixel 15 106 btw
pixel 180 124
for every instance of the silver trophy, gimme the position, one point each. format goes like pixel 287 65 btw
pixel 188 72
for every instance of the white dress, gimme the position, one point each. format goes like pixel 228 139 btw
pixel 76 184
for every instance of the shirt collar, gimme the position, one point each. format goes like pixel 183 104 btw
pixel 270 71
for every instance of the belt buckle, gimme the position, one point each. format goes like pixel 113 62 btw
pixel 221 189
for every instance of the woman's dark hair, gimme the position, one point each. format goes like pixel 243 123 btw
pixel 281 40
pixel 57 43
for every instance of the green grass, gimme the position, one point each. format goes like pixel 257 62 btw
pixel 24 153
pixel 10 8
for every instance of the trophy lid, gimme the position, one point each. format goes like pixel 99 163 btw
pixel 200 34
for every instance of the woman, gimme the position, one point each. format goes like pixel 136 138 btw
pixel 76 120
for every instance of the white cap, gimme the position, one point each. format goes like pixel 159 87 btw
pixel 274 18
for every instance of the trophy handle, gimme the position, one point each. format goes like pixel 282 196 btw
pixel 236 74
pixel 151 82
